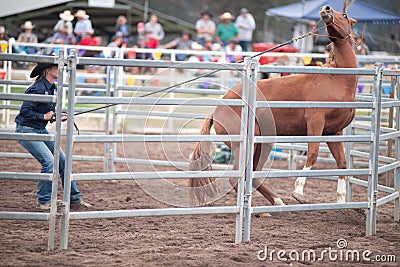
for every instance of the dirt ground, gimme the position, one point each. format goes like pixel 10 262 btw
pixel 201 240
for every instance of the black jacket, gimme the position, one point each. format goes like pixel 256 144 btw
pixel 32 113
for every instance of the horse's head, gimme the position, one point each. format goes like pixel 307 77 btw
pixel 338 25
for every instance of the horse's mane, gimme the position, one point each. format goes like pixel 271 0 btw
pixel 330 61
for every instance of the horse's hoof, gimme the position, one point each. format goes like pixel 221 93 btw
pixel 265 214
pixel 300 198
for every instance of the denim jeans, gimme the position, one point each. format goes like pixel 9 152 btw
pixel 43 152
pixel 245 45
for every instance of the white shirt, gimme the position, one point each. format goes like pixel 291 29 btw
pixel 246 26
pixel 204 25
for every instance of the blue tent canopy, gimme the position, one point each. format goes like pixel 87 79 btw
pixel 360 11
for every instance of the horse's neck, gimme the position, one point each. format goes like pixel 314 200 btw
pixel 343 55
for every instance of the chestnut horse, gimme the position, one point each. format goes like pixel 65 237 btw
pixel 290 121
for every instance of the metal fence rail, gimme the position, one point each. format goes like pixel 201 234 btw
pixel 372 136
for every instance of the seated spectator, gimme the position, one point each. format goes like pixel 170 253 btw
pixel 184 42
pixel 117 41
pixel 66 18
pixel 88 40
pixel 3 34
pixel 209 46
pixel 4 42
pixel 142 56
pixel 28 37
pixel 233 46
pixel 63 37
pixel 4 37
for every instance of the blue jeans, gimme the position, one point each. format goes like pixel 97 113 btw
pixel 43 152
pixel 245 45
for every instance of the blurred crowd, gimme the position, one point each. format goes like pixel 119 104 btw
pixel 77 29
pixel 229 35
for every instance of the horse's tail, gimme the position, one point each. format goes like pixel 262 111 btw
pixel 201 188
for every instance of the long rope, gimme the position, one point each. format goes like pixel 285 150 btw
pixel 294 39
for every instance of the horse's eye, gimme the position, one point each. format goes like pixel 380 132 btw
pixel 345 15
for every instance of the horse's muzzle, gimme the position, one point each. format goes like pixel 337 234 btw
pixel 326 13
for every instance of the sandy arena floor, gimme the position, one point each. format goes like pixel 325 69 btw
pixel 206 240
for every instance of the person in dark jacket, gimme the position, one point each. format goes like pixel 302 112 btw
pixel 33 118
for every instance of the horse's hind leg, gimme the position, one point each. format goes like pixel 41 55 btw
pixel 260 157
pixel 337 150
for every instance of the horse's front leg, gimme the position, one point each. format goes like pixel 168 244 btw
pixel 312 156
pixel 315 125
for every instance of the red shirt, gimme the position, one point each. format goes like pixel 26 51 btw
pixel 92 42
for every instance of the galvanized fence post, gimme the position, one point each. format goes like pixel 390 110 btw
pixel 250 66
pixel 396 93
pixel 107 110
pixel 242 156
pixel 374 155
pixel 114 128
pixel 56 152
pixel 68 150
pixel 349 130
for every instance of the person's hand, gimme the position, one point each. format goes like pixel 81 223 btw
pixel 64 116
pixel 48 116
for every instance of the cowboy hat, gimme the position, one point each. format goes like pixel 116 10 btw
pixel 66 15
pixel 28 25
pixel 38 69
pixel 226 15
pixel 81 14
pixel 89 31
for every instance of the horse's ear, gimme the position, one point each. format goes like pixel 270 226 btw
pixel 346 5
pixel 352 21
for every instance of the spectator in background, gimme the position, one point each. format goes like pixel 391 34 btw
pixel 28 37
pixel 246 25
pixel 184 42
pixel 204 26
pixel 121 26
pixel 360 47
pixel 3 34
pixel 66 18
pixel 3 46
pixel 233 46
pixel 140 55
pixel 63 37
pixel 88 40
pixel 154 32
pixel 83 25
pixel 117 41
pixel 226 30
